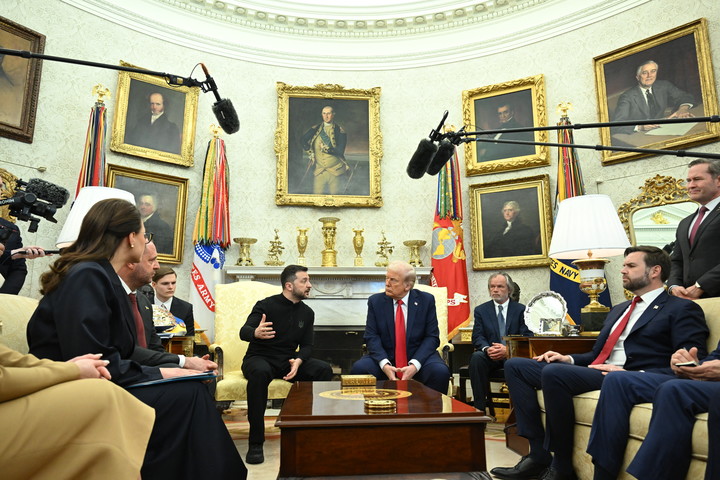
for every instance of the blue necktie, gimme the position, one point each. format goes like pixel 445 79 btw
pixel 501 323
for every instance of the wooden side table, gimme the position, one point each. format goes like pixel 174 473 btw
pixel 180 345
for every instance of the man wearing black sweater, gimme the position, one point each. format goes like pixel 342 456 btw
pixel 280 332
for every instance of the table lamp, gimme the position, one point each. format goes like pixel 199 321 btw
pixel 587 228
pixel 87 197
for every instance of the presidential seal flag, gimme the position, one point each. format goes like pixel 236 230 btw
pixel 448 253
pixel 211 236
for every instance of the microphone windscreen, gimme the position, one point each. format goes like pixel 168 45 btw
pixel 226 115
pixel 47 191
pixel 421 158
pixel 444 153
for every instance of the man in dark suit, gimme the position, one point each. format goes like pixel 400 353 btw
pixel 493 320
pixel 164 282
pixel 280 332
pixel 154 129
pixel 695 269
pixel 676 401
pixel 649 100
pixel 403 311
pixel 637 335
pixel 512 236
pixel 161 230
pixel 495 151
pixel 152 352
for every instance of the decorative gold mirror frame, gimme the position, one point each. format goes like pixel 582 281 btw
pixel 658 190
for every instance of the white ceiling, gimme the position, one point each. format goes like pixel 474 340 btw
pixel 354 34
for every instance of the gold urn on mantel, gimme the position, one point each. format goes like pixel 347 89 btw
pixel 329 255
pixel 244 259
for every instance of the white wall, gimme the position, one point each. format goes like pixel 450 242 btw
pixel 412 102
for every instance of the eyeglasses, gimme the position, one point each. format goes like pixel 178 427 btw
pixel 148 237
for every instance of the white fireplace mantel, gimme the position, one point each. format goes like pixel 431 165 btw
pixel 339 294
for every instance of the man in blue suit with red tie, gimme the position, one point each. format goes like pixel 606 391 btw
pixel 637 335
pixel 493 320
pixel 403 312
pixel 676 400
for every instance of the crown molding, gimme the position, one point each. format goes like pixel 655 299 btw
pixel 311 35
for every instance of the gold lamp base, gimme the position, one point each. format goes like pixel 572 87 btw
pixel 592 282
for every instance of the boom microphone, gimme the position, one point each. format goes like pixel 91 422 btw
pixel 421 158
pixel 47 191
pixel 223 109
pixel 444 153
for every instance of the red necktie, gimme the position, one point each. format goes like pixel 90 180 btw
pixel 700 216
pixel 139 327
pixel 614 335
pixel 400 343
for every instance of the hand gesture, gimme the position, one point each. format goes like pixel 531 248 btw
pixel 294 365
pixel 203 364
pixel 551 356
pixel 497 351
pixel 389 371
pixel 607 368
pixel 264 331
pixel 406 373
pixel 91 366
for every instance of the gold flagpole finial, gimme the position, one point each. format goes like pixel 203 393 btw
pixel 215 130
pixel 564 107
pixel 448 128
pixel 100 91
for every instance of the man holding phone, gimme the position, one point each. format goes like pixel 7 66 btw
pixel 676 400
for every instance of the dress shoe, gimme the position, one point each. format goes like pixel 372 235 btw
pixel 526 469
pixel 552 474
pixel 255 454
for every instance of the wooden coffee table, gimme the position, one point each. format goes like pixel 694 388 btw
pixel 326 432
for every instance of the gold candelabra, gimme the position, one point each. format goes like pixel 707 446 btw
pixel 385 248
pixel 275 251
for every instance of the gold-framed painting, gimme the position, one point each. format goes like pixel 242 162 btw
pixel 675 68
pixel 328 146
pixel 511 223
pixel 162 201
pixel 153 119
pixel 515 104
pixel 19 81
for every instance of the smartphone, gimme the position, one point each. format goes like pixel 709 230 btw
pixel 687 364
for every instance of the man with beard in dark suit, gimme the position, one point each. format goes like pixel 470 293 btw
pixel 495 151
pixel 154 129
pixel 649 99
pixel 695 258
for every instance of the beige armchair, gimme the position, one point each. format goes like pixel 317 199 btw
pixel 15 312
pixel 441 299
pixel 233 304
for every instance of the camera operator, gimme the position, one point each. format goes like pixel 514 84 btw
pixel 13 256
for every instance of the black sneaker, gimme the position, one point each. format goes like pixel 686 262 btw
pixel 255 454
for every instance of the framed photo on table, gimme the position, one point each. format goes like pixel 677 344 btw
pixel 511 222
pixel 153 119
pixel 676 68
pixel 162 201
pixel 516 104
pixel 328 146
pixel 19 81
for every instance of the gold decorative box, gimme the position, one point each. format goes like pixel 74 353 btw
pixel 466 334
pixel 357 380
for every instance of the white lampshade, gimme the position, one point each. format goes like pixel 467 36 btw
pixel 587 223
pixel 87 197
